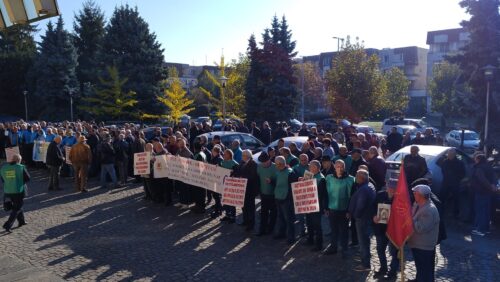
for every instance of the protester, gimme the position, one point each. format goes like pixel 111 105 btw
pixel 327 167
pixel 199 194
pixel 394 140
pixel 483 182
pixel 265 133
pixel 266 171
pixel 216 160
pixel 107 154
pixel 229 163
pixel 81 157
pixel 284 202
pixel 248 169
pixel 338 186
pixel 377 168
pixel 357 160
pixel 14 177
pixel 185 197
pixel 147 177
pixel 313 220
pixel 415 165
pixel 453 171
pixel 380 229
pixel 54 161
pixel 360 208
pixel 330 148
pixel 235 147
pixel 425 236
pixel 121 156
pixel 343 155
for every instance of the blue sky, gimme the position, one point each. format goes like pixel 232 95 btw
pixel 196 31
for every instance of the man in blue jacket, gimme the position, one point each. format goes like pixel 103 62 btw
pixel 360 208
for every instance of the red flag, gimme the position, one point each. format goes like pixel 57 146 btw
pixel 400 224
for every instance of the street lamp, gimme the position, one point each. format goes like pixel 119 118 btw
pixel 71 103
pixel 488 74
pixel 338 42
pixel 223 81
pixel 26 103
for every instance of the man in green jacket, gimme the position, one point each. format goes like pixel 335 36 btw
pixel 267 176
pixel 14 176
pixel 338 186
pixel 284 201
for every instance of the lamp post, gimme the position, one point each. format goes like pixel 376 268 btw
pixel 71 103
pixel 338 42
pixel 26 103
pixel 223 81
pixel 488 74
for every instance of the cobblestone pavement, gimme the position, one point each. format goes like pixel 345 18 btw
pixel 117 236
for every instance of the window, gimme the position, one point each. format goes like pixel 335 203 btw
pixel 250 143
pixel 228 139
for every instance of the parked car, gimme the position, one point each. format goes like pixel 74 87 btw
pixel 203 119
pixel 298 140
pixel 470 140
pixel 247 141
pixel 185 119
pixel 403 129
pixel 419 124
pixel 218 123
pixel 331 124
pixel 363 128
pixel 149 132
pixel 433 155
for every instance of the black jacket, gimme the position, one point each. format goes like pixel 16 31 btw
pixel 55 156
pixel 394 141
pixel 415 168
pixel 106 153
pixel 382 197
pixel 453 173
pixel 248 170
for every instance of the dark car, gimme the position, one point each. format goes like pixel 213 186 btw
pixel 149 132
pixel 247 141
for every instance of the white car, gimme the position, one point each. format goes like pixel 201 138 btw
pixel 471 140
pixel 298 140
pixel 433 156
pixel 419 124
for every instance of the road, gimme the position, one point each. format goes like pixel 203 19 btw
pixel 118 236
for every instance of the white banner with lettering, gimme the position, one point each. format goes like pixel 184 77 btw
pixel 204 175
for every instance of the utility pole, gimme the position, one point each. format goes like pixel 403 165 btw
pixel 26 104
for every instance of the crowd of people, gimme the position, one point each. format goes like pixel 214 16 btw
pixel 348 166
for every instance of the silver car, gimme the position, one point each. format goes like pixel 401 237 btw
pixel 471 140
pixel 433 156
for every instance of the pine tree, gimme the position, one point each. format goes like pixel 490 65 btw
pixel 271 80
pixel 17 56
pixel 88 35
pixel 55 71
pixel 134 50
pixel 110 101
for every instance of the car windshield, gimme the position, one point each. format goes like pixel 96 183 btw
pixel 471 136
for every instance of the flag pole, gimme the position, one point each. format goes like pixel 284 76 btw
pixel 402 263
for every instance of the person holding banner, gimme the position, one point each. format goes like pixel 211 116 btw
pixel 184 189
pixel 160 190
pixel 248 169
pixel 338 186
pixel 54 161
pixel 199 193
pixel 216 160
pixel 229 163
pixel 284 201
pixel 266 171
pixel 313 220
pixel 147 177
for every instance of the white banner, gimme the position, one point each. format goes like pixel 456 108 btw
pixel 234 191
pixel 9 152
pixel 204 175
pixel 40 151
pixel 142 163
pixel 305 196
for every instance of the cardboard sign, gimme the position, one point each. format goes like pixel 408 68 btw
pixel 204 175
pixel 308 175
pixel 305 196
pixel 142 163
pixel 234 192
pixel 67 151
pixel 10 152
pixel 40 151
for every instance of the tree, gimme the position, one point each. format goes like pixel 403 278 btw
pixel 483 49
pixel 55 73
pixel 110 101
pixel 449 97
pixel 271 81
pixel 174 98
pixel 134 50
pixel 17 51
pixel 88 35
pixel 234 90
pixel 396 99
pixel 309 75
pixel 356 88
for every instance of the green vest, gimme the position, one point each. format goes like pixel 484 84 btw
pixel 300 169
pixel 282 185
pixel 339 192
pixel 228 164
pixel 264 173
pixel 290 158
pixel 318 177
pixel 13 177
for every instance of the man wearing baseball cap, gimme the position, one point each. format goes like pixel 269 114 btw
pixel 425 236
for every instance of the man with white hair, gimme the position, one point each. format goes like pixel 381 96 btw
pixel 284 202
pixel 122 154
pixel 14 177
pixel 54 161
pixel 360 208
pixel 248 169
pixel 425 235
